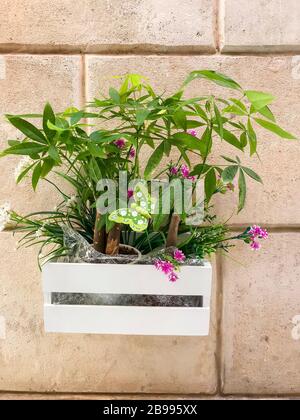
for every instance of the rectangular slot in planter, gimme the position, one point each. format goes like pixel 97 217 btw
pixel 107 279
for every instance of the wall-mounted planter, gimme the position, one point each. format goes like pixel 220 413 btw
pixel 116 280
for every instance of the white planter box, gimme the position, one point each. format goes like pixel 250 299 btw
pixel 126 280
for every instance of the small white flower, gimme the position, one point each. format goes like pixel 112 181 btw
pixel 134 213
pixel 24 163
pixel 39 233
pixel 71 200
pixel 5 220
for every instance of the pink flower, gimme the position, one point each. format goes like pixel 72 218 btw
pixel 130 194
pixel 185 172
pixel 120 143
pixel 179 256
pixel 192 133
pixel 167 267
pixel 132 152
pixel 257 232
pixel 173 277
pixel 174 170
pixel 255 245
pixel 157 264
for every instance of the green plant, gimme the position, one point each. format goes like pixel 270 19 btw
pixel 114 134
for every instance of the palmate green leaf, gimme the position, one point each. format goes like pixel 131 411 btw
pixel 48 116
pixel 265 112
pixel 233 109
pixel 213 76
pixel 25 148
pixel 154 160
pixel 28 129
pixel 259 100
pixel 210 184
pixel 36 175
pixel 242 191
pixel 252 174
pixel 274 128
pixel 229 173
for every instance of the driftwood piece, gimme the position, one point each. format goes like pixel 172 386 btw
pixel 113 240
pixel 173 231
pixel 100 236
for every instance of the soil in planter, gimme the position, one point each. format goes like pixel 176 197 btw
pixel 126 300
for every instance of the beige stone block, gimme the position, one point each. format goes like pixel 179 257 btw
pixel 106 25
pixel 32 361
pixel 261 298
pixel 277 201
pixel 28 82
pixel 260 25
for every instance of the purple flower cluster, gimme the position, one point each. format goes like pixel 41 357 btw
pixel 183 170
pixel 192 133
pixel 168 268
pixel 120 143
pixel 256 232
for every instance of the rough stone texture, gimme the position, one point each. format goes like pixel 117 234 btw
pixel 261 25
pixel 275 203
pixel 27 83
pixel 261 298
pixel 103 25
pixel 33 361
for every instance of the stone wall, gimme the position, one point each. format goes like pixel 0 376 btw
pixel 64 51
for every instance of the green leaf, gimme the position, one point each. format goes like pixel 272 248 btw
pixel 48 116
pixel 252 138
pixel 219 120
pixel 28 129
pixel 230 138
pixel 36 175
pixel 233 109
pixel 267 113
pixel 47 166
pixel 154 160
pixel 243 139
pixel 200 169
pixel 229 173
pixel 228 159
pixel 114 94
pixel 242 191
pixel 53 153
pixel 210 184
pixel 191 142
pixel 252 174
pixel 96 150
pixel 56 128
pixel 274 128
pixel 213 76
pixel 180 119
pixel 141 116
pixel 259 99
pixel 24 173
pixel 26 148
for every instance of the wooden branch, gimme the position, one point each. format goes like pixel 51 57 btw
pixel 173 231
pixel 113 240
pixel 100 236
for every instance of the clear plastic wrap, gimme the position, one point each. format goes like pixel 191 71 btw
pixel 83 252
